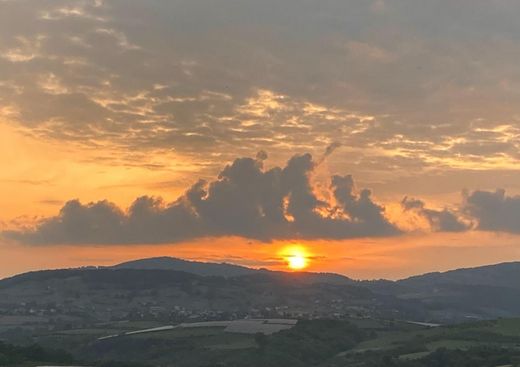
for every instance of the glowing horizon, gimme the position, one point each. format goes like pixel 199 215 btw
pixel 381 139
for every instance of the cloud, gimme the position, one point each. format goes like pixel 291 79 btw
pixel 245 200
pixel 359 208
pixel 331 148
pixel 328 151
pixel 250 201
pixel 439 220
pixel 365 73
pixel 494 211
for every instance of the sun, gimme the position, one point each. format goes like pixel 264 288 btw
pixel 297 262
pixel 296 257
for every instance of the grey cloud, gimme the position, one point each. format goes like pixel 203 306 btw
pixel 155 74
pixel 494 211
pixel 329 150
pixel 359 208
pixel 245 200
pixel 488 149
pixel 440 220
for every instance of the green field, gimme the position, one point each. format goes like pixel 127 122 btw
pixel 324 343
pixel 413 346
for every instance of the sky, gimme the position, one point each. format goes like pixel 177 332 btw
pixel 380 137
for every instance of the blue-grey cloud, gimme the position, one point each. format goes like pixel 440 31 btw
pixel 245 200
pixel 425 81
pixel 444 220
pixel 494 211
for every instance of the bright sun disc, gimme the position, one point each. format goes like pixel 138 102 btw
pixel 297 262
pixel 296 257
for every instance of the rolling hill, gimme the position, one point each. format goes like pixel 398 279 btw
pixel 484 292
pixel 500 275
pixel 100 295
pixel 226 270
pixel 193 267
pixel 168 287
pixel 481 292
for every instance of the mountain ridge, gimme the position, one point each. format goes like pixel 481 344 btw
pixel 476 275
pixel 223 269
pixel 481 292
pixel 479 274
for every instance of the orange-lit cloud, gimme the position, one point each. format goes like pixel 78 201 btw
pixel 245 200
pixel 38 177
pixel 95 106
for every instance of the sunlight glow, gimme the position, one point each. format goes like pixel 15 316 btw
pixel 296 257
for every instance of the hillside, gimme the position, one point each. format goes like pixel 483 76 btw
pixel 148 289
pixel 193 267
pixel 100 295
pixel 483 292
pixel 73 308
pixel 504 275
pixel 225 270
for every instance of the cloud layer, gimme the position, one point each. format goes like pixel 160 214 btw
pixel 422 95
pixel 245 200
pixel 494 211
pixel 444 220
pixel 249 201
pixel 408 85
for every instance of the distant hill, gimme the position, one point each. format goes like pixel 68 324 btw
pixel 136 287
pixel 482 292
pixel 505 275
pixel 192 267
pixel 104 294
pixel 226 270
pixel 500 275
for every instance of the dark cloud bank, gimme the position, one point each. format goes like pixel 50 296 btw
pixel 440 220
pixel 246 200
pixel 429 79
pixel 494 211
pixel 249 201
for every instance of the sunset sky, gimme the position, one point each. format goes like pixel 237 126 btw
pixel 379 137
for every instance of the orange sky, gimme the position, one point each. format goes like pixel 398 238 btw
pixel 412 99
pixel 359 259
pixel 48 174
